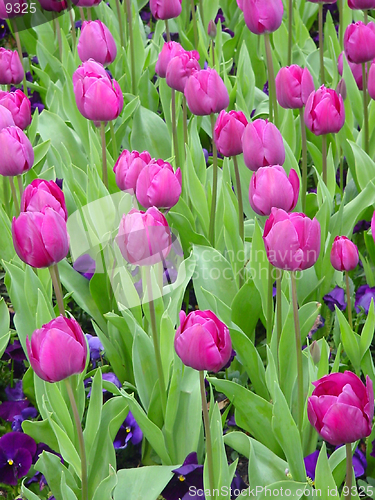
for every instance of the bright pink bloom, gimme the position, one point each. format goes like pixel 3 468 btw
pixel 271 187
pixel 292 241
pixel 355 68
pixel 169 50
pixel 361 4
pixel 6 118
pixel 17 154
pixel 40 195
pixel 240 4
pixel 206 92
pixel 165 9
pixel 180 68
pixel 11 70
pixel 262 145
pixel 158 185
pixel 293 86
pixel 341 408
pixel 344 254
pixel 144 238
pixel 262 16
pixel 324 111
pixel 96 42
pixel 202 341
pixel 57 350
pixel 19 105
pixel 359 42
pixel 128 167
pixel 371 81
pixel 53 5
pixel 98 97
pixel 40 239
pixel 228 132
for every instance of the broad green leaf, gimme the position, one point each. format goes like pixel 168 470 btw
pixel 144 483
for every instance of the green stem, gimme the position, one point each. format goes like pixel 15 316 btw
pixel 81 441
pixel 241 226
pixel 104 154
pixel 167 31
pixel 341 171
pixel 14 196
pixel 290 31
pixel 365 17
pixel 82 14
pixel 131 42
pixel 120 23
pixel 300 405
pixel 349 470
pixel 6 196
pixel 88 10
pixel 304 159
pixel 20 185
pixel 174 130
pixel 269 303
pixel 324 157
pixel 58 33
pixel 73 27
pixel 365 110
pixel 214 185
pixel 184 113
pixel 213 53
pixel 207 429
pixel 350 318
pixel 278 306
pixel 54 272
pixel 201 11
pixel 321 43
pixel 19 50
pixel 114 142
pixel 195 27
pixel 271 80
pixel 340 4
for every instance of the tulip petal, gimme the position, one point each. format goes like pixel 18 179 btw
pixel 344 424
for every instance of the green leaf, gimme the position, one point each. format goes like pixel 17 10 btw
pixel 94 411
pixel 150 133
pixel 145 372
pixel 368 331
pixel 350 340
pixel 4 326
pixel 144 483
pixel 42 432
pixel 54 471
pixel 105 488
pixel 323 476
pixel 247 298
pixel 67 449
pixel 365 167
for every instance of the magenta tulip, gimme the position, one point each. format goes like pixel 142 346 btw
pixel 262 16
pixel 6 118
pixel 19 105
pixel 17 154
pixel 169 50
pixel 371 82
pixel 323 1
pixel 40 195
pixel 57 350
pixel 293 86
pixel 158 185
pixel 98 97
pixel 96 42
pixel 53 5
pixel 228 132
pixel 240 4
pixel 341 408
pixel 271 187
pixel 324 111
pixel 202 341
pixel 165 9
pixel 344 254
pixel 128 167
pixel 292 241
pixel 359 42
pixel 86 3
pixel 180 68
pixel 355 68
pixel 40 239
pixel 361 4
pixel 206 92
pixel 262 145
pixel 11 70
pixel 144 238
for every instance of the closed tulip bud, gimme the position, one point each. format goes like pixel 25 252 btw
pixel 228 132
pixel 6 118
pixel 293 86
pixel 40 195
pixel 324 111
pixel 355 68
pixel 96 42
pixel 144 238
pixel 202 341
pixel 271 187
pixel 263 16
pixel 292 241
pixel 11 70
pixel 315 352
pixel 40 239
pixel 180 68
pixel 371 81
pixel 361 4
pixel 341 88
pixel 211 31
pixel 53 5
pixel 17 154
pixel 98 97
pixel 158 185
pixel 165 9
pixel 341 408
pixel 359 42
pixel 262 145
pixel 169 50
pixel 128 167
pixel 19 105
pixel 57 350
pixel 344 254
pixel 206 92
pixel 86 3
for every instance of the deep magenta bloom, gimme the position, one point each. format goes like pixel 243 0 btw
pixel 324 111
pixel 19 105
pixel 355 68
pixel 128 167
pixel 202 341
pixel 169 50
pixel 165 9
pixel 96 42
pixel 40 195
pixel 13 8
pixel 17 154
pixel 206 92
pixel 86 3
pixel 293 86
pixel 262 145
pixel 359 42
pixel 262 16
pixel 53 5
pixel 180 68
pixel 57 350
pixel 16 456
pixel 361 4
pixel 11 70
pixel 344 254
pixel 341 407
pixel 228 132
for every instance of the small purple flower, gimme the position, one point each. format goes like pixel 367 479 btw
pixel 359 462
pixel 16 456
pixel 265 88
pixel 362 225
pixel 232 356
pixel 363 297
pixel 108 377
pixel 34 60
pixel 129 431
pixel 10 409
pixel 85 265
pixel 205 152
pixel 14 351
pixel 335 297
pixel 15 393
pixel 26 414
pixel 310 464
pixel 96 348
pixel 319 323
pixel 4 30
pixel 220 17
pixel 59 182
pixel 189 474
pixel 36 102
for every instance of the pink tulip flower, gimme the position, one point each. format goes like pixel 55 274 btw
pixel 361 4
pixel 355 68
pixel 206 92
pixel 11 70
pixel 19 105
pixel 13 8
pixel 96 42
pixel 40 195
pixel 293 86
pixel 6 118
pixel 359 42
pixel 169 50
pixel 262 16
pixel 86 3
pixel 180 68
pixel 262 145
pixel 128 167
pixel 344 254
pixel 53 5
pixel 17 154
pixel 324 111
pixel 158 185
pixel 228 132
pixel 165 9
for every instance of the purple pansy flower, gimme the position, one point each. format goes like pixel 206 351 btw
pixel 96 348
pixel 85 265
pixel 129 431
pixel 16 456
pixel 189 474
pixel 14 351
pixel 335 297
pixel 363 297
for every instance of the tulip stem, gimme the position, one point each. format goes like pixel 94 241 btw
pixel 279 277
pixel 73 27
pixel 269 303
pixel 20 185
pixel 271 80
pixel 341 171
pixel 58 33
pixel 350 318
pixel 321 43
pixel 167 31
pixel 240 214
pixel 131 42
pixel 201 11
pixel 340 5
pixel 365 17
pixel 184 114
pixel 81 441
pixel 300 405
pixel 324 157
pixel 82 14
pixel 104 154
pixel 207 429
pixel 120 27
pixel 14 196
pixel 88 11
pixel 54 272
pixel 214 185
pixel 114 142
pixel 19 50
pixel 6 195
pixel 290 31
pixel 349 470
pixel 174 130
pixel 195 27
pixel 304 159
pixel 365 110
